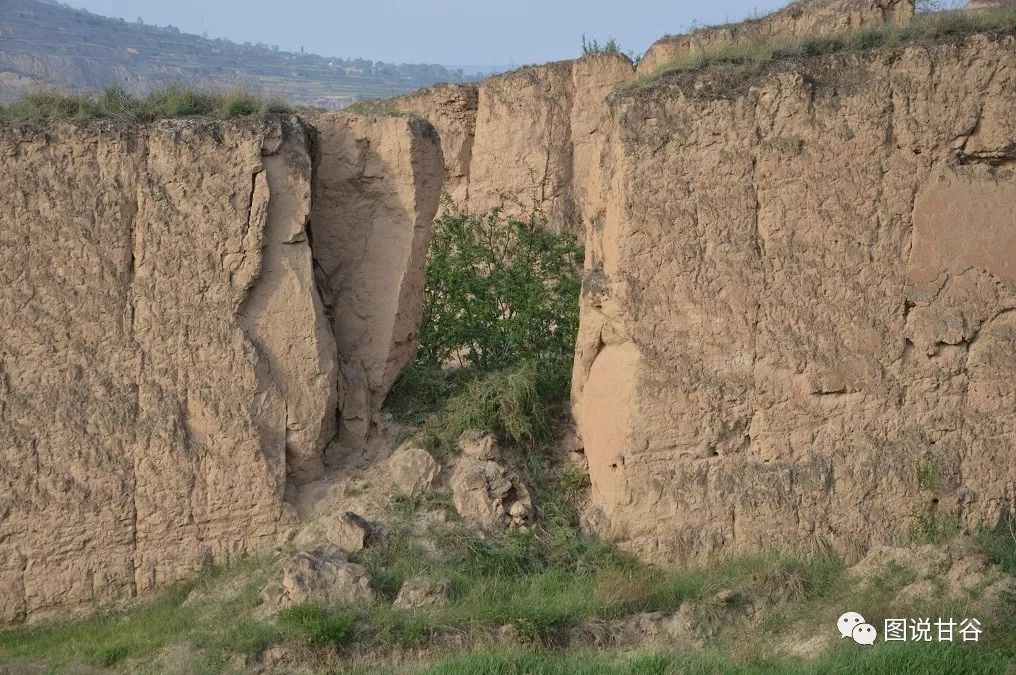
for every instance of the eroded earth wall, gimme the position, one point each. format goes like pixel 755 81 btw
pixel 376 190
pixel 797 321
pixel 533 135
pixel 167 362
pixel 143 431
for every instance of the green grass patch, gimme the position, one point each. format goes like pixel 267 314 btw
pixel 518 403
pixel 551 577
pixel 880 659
pixel 116 104
pixel 317 626
pixel 999 543
pixel 212 613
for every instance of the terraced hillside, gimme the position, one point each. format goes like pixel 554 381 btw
pixel 45 44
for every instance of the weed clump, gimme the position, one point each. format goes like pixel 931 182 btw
pixel 593 47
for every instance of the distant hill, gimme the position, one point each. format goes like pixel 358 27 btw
pixel 46 44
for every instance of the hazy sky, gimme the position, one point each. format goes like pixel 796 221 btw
pixel 453 32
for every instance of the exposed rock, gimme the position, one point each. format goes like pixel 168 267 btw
pixel 808 18
pixel 421 592
pixel 479 445
pixel 948 570
pixel 376 190
pixel 996 595
pixel 638 630
pixel 659 627
pixel 412 470
pixel 593 521
pixel 761 361
pixel 591 633
pixel 969 573
pixel 322 575
pixel 428 528
pixel 924 561
pixel 451 108
pixel 508 634
pixel 349 531
pixel 489 495
pixel 282 658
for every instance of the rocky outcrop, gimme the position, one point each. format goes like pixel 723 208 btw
pixel 167 363
pixel 376 190
pixel 323 576
pixel 412 470
pixel 534 134
pixel 422 592
pixel 797 318
pixel 486 493
pixel 808 18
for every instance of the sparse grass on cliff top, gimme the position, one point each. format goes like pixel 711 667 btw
pixel 116 104
pixel 380 108
pixel 754 57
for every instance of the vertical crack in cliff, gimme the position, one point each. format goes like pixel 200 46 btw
pixel 546 163
pixel 132 272
pixel 761 256
pixel 250 208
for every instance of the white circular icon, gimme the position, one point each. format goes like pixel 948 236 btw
pixel 847 622
pixel 864 634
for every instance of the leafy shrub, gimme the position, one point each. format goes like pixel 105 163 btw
pixel 501 290
pixel 318 626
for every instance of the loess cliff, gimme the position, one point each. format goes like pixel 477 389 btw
pixel 167 362
pixel 797 323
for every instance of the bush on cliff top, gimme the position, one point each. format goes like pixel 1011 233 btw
pixel 116 104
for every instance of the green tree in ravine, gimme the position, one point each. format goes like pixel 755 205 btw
pixel 501 290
